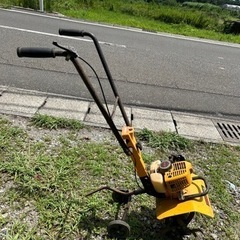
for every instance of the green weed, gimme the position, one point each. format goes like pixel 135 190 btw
pixel 49 122
pixel 164 140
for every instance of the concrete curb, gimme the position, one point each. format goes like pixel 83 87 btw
pixel 26 103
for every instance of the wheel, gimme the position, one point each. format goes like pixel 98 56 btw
pixel 118 229
pixel 120 198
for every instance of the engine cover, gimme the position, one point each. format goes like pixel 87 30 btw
pixel 178 177
pixel 171 180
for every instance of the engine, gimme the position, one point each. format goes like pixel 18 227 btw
pixel 171 178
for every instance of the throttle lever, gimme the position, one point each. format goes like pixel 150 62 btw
pixel 71 50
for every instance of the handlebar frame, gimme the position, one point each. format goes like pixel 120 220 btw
pixel 82 33
pixel 71 55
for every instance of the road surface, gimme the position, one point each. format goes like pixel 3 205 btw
pixel 150 69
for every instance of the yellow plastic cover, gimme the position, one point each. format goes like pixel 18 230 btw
pixel 171 207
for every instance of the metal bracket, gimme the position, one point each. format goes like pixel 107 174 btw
pixel 70 50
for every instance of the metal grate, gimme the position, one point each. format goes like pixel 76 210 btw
pixel 229 131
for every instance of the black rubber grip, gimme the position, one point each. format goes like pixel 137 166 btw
pixel 71 32
pixel 33 52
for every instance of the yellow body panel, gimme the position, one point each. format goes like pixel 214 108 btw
pixel 128 135
pixel 171 207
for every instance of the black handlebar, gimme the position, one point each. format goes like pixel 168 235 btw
pixel 70 54
pixel 34 52
pixel 71 32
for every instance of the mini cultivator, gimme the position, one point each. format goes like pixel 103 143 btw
pixel 178 191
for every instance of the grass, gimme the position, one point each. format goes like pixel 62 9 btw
pixel 197 20
pixel 164 141
pixel 50 122
pixel 146 23
pixel 46 173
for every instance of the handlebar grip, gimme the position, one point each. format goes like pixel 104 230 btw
pixel 33 52
pixel 71 32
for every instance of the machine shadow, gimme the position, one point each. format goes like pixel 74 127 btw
pixel 143 224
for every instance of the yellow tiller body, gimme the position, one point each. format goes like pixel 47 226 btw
pixel 181 191
pixel 178 191
pixel 185 191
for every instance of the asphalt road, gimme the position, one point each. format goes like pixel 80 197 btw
pixel 150 69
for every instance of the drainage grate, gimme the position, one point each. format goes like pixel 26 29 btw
pixel 229 131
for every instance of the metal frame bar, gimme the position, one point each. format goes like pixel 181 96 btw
pixel 100 105
pixel 109 75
